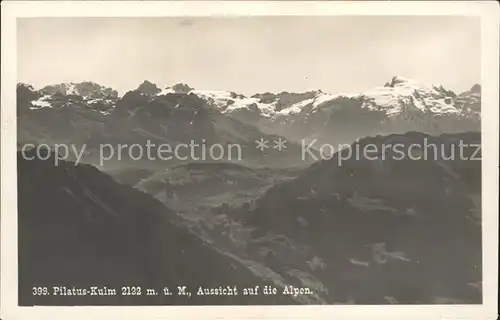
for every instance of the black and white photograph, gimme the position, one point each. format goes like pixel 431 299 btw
pixel 230 159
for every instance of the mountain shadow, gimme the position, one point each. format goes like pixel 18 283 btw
pixel 387 228
pixel 79 228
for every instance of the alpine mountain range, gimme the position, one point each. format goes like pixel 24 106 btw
pixel 365 232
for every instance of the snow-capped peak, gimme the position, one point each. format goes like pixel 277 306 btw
pixel 86 89
pixel 399 81
pixel 401 92
pixel 65 88
pixel 87 93
pixel 176 88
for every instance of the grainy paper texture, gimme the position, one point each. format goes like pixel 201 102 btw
pixel 249 159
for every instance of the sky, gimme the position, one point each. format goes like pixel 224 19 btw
pixel 251 54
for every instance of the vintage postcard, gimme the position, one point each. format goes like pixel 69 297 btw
pixel 249 160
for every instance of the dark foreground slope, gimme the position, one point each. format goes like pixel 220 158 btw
pixel 79 228
pixel 387 231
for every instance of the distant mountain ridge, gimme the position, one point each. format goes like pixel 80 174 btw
pixel 436 99
pixel 85 94
pixel 86 89
pixel 89 113
pixel 139 117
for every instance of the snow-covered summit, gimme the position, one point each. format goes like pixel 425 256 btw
pixel 90 94
pixel 267 105
pixel 400 93
pixel 86 89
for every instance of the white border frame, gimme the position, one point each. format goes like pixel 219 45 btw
pixel 490 17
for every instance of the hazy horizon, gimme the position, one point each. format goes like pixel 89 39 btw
pixel 251 54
